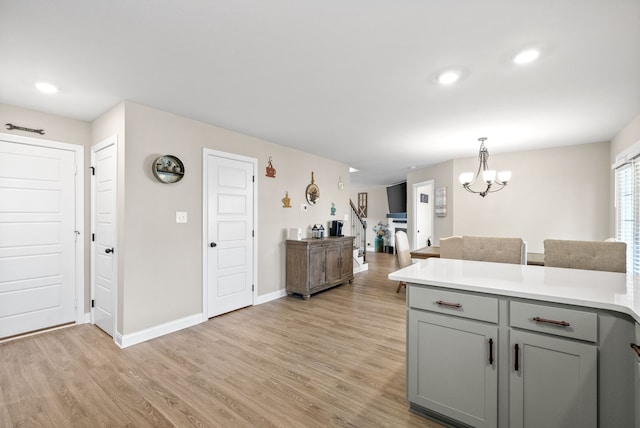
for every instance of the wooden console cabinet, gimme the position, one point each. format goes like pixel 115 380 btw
pixel 314 265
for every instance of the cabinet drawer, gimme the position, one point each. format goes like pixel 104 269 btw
pixel 454 303
pixel 565 322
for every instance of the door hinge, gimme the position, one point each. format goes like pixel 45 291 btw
pixel 93 303
pixel 253 178
pixel 253 287
pixel 76 233
pixel 75 304
pixel 253 233
pixel 93 170
pixel 93 237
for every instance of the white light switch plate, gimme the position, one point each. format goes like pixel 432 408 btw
pixel 181 217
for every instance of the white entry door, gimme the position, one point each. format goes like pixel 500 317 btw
pixel 229 229
pixel 103 202
pixel 39 235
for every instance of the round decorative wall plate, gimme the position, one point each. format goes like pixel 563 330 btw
pixel 168 169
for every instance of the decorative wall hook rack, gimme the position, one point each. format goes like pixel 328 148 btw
pixel 11 127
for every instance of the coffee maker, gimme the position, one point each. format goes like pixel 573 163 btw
pixel 335 228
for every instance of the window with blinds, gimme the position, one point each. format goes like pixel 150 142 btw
pixel 627 200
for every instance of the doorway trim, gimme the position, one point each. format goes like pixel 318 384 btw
pixel 80 317
pixel 416 186
pixel 205 224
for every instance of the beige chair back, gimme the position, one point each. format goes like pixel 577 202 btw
pixel 494 249
pixel 403 249
pixel 451 247
pixel 589 255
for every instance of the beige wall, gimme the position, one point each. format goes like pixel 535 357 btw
pixel 627 136
pixel 163 264
pixel 554 193
pixel 57 128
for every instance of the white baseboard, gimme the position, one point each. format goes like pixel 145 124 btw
pixel 126 340
pixel 87 318
pixel 131 339
pixel 274 295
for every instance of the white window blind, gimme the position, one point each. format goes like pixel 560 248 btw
pixel 627 198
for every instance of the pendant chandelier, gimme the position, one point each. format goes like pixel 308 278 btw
pixel 494 181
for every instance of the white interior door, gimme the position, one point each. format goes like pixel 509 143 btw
pixel 104 260
pixel 423 207
pixel 38 236
pixel 229 230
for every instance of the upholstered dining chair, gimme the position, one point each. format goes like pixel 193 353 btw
pixel 451 247
pixel 589 255
pixel 494 249
pixel 404 253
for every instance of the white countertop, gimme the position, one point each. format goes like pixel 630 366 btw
pixel 602 290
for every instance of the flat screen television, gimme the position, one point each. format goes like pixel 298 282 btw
pixel 397 198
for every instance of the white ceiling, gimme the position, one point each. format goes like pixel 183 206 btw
pixel 351 80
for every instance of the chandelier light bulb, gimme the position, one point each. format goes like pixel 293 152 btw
pixel 504 176
pixel 466 178
pixel 489 176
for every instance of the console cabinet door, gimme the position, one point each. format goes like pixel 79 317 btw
pixel 449 370
pixel 346 259
pixel 333 262
pixel 553 382
pixel 317 266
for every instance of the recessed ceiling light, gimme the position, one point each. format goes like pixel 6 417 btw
pixel 448 77
pixel 47 88
pixel 352 169
pixel 527 56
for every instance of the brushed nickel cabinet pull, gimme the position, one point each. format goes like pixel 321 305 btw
pixel 636 349
pixel 554 322
pixel 490 351
pixel 453 305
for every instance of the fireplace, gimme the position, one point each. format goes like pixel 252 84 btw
pixel 395 222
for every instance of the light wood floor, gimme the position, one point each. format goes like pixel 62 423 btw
pixel 337 359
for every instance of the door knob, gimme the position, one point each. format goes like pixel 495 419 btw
pixel 109 250
pixel 213 244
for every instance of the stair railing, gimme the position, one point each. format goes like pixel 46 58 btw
pixel 359 230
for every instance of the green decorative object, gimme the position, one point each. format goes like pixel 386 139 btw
pixel 378 244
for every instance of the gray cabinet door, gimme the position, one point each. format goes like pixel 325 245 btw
pixel 553 382
pixel 637 342
pixel 449 370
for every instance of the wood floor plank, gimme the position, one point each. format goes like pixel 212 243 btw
pixel 335 360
